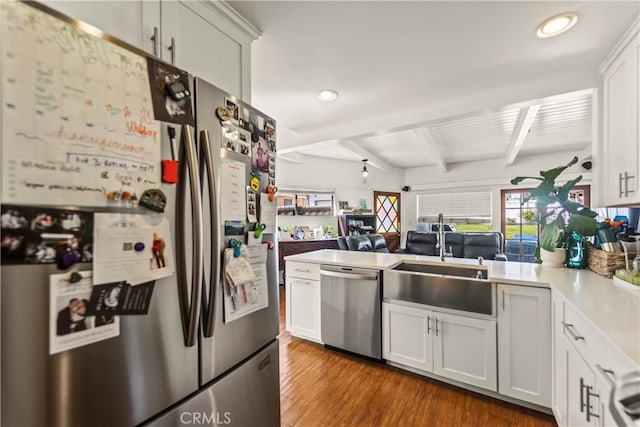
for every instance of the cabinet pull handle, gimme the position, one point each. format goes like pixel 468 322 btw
pixel 608 374
pixel 155 38
pixel 428 325
pixel 172 49
pixel 302 271
pixel 626 184
pixel 436 326
pixel 582 402
pixel 588 406
pixel 570 328
pixel 620 185
pixel 503 300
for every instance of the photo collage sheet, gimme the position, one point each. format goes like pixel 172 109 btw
pixel 246 205
pixel 246 132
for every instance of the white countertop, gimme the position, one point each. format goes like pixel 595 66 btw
pixel 613 310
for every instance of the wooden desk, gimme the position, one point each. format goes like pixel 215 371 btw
pixel 292 247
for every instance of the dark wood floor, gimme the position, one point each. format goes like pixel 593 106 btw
pixel 319 387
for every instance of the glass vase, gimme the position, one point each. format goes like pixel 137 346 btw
pixel 576 251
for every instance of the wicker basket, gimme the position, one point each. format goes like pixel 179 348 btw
pixel 605 263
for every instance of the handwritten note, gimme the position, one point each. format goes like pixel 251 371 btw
pixel 77 118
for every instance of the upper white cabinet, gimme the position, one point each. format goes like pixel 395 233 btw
pixel 210 40
pixel 524 343
pixel 121 19
pixel 621 118
pixel 206 38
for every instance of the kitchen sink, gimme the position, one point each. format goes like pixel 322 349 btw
pixel 464 288
pixel 469 271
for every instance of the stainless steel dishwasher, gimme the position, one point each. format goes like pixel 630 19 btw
pixel 350 314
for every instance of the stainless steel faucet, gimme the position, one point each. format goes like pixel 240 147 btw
pixel 440 244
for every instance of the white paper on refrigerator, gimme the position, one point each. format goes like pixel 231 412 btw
pixel 69 326
pixel 250 296
pixel 232 189
pixel 132 248
pixel 268 213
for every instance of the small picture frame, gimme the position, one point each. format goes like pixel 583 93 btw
pixel 343 204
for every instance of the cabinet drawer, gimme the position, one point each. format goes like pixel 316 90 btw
pixel 593 346
pixel 303 270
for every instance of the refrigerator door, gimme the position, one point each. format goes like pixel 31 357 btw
pixel 116 382
pixel 224 345
pixel 247 396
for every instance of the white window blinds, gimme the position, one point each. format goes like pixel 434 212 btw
pixel 457 208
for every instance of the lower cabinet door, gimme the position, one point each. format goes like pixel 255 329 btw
pixel 579 387
pixel 465 350
pixel 406 336
pixel 560 362
pixel 303 308
pixel 524 343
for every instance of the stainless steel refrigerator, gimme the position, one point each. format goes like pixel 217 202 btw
pixel 180 364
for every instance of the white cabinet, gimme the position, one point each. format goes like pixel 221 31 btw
pixel 208 39
pixel 585 366
pixel 302 315
pixel 524 343
pixel 580 383
pixel 121 19
pixel 406 336
pixel 465 350
pixel 456 347
pixel 621 118
pixel 559 363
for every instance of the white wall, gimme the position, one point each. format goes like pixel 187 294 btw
pixel 487 175
pixel 341 175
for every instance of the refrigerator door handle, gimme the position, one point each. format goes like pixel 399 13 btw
pixel 189 308
pixel 207 168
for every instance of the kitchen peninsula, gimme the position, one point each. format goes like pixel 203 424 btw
pixel 293 247
pixel 556 336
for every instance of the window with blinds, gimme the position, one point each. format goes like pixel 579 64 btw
pixel 457 208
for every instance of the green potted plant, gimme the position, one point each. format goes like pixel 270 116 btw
pixel 558 216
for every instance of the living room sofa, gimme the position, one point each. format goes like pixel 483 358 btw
pixel 463 245
pixel 363 243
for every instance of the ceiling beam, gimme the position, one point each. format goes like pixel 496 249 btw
pixel 372 159
pixel 520 131
pixel 291 156
pixel 433 148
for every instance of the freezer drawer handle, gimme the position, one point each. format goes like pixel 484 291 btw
pixel 189 307
pixel 264 363
pixel 206 168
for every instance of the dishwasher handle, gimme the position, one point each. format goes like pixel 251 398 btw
pixel 354 276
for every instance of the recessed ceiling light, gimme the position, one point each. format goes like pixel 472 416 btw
pixel 557 24
pixel 327 95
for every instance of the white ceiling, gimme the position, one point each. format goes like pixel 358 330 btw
pixel 426 82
